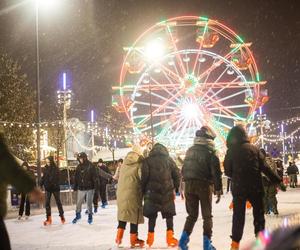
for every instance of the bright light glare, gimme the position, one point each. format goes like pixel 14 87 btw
pixel 47 4
pixel 155 49
pixel 190 111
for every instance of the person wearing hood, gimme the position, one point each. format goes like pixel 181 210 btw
pixel 244 164
pixel 85 183
pixel 130 197
pixel 160 179
pixel 50 181
pixel 202 174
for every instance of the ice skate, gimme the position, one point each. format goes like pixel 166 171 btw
pixel 48 221
pixel 183 242
pixel 78 217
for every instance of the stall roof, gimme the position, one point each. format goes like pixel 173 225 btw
pixel 107 155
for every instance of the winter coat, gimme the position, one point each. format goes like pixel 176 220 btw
pixel 292 170
pixel 244 164
pixel 129 192
pixel 86 177
pixel 201 163
pixel 50 179
pixel 11 173
pixel 160 178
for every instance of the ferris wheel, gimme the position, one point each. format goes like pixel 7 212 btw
pixel 186 72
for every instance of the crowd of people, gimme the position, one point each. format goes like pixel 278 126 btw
pixel 147 185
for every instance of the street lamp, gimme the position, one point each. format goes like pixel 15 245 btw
pixel 38 4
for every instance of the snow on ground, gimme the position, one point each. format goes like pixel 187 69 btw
pixel 100 235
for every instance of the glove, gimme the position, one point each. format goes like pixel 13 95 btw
pixel 282 187
pixel 218 194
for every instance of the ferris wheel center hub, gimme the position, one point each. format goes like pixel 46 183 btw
pixel 190 82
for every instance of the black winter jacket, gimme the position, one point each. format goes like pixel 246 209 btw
pixel 86 177
pixel 201 163
pixel 244 164
pixel 160 178
pixel 50 179
pixel 293 169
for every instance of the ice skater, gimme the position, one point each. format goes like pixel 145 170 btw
pixel 130 197
pixel 50 181
pixel 202 174
pixel 244 164
pixel 160 179
pixel 85 183
pixel 11 173
pixel 25 202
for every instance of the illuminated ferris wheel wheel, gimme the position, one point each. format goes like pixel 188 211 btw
pixel 186 72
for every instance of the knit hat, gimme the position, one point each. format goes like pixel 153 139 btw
pixel 100 161
pixel 206 132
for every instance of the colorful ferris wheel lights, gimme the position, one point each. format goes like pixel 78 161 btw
pixel 197 71
pixel 203 18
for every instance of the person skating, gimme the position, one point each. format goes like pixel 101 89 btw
pixel 130 197
pixel 50 181
pixel 270 190
pixel 202 174
pixel 11 173
pixel 85 183
pixel 279 168
pixel 292 171
pixel 244 164
pixel 160 179
pixel 105 176
pixel 25 202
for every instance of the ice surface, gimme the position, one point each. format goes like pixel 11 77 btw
pixel 31 234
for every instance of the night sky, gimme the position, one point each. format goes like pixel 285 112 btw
pixel 85 38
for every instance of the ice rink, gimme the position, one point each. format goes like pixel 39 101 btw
pixel 31 234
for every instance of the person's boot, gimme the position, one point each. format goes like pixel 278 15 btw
pixel 62 219
pixel 26 217
pixel 184 240
pixel 207 244
pixel 48 221
pixel 119 236
pixel 77 217
pixel 171 241
pixel 248 205
pixel 135 241
pixel 104 204
pixel 235 245
pixel 95 210
pixel 90 218
pixel 19 217
pixel 150 239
